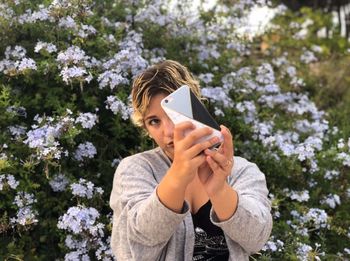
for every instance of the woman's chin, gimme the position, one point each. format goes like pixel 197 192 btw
pixel 169 152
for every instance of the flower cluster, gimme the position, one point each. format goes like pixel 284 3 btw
pixel 25 214
pixel 87 120
pixel 343 154
pixel 306 252
pixel 43 46
pixel 8 180
pixel 79 219
pixel 86 234
pixel 85 150
pixel 59 182
pixel 332 200
pixel 300 196
pixel 117 106
pixel 44 136
pixel 85 189
pixel 17 131
pixel 79 29
pixel 16 62
pixel 273 245
pixel 129 59
pixel 30 16
pixel 314 218
pixel 74 63
pixel 308 57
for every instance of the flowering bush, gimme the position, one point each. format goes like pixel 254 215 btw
pixel 65 71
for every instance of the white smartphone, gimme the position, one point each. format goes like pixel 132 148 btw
pixel 183 105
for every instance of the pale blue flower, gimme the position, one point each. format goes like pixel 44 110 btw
pixel 85 150
pixel 59 183
pixel 87 120
pixel 85 189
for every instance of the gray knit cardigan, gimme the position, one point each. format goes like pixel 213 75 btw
pixel 144 229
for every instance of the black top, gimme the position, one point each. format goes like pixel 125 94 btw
pixel 210 243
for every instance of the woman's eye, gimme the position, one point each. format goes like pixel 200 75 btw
pixel 153 122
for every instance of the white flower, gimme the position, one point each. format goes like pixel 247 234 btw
pixel 248 109
pixel 59 183
pixel 315 217
pixel 117 106
pixel 85 150
pixel 67 22
pixel 80 254
pixel 316 48
pixel 85 189
pixel 104 251
pixel 18 52
pixel 71 73
pixel 301 196
pixel 206 77
pixel 43 138
pixel 25 64
pixel 9 180
pixel 86 30
pixel 24 199
pixel 111 78
pixel 49 47
pixel 17 131
pixel 78 219
pixel 330 174
pixel 308 57
pixel 318 217
pixel 265 74
pixel 74 56
pixel 219 95
pixel 87 120
pixel 273 245
pixel 341 144
pixel 25 216
pixel 344 157
pixel 303 251
pixel 332 200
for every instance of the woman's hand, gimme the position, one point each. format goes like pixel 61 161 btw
pixel 213 174
pixel 188 155
pixel 187 158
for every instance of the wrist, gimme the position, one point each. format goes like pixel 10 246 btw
pixel 225 202
pixel 177 179
pixel 171 193
pixel 220 192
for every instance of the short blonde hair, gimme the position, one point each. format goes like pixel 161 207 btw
pixel 164 77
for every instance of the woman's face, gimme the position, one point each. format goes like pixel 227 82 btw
pixel 159 125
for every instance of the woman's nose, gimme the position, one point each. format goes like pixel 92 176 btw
pixel 168 128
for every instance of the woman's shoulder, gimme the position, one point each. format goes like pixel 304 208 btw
pixel 152 161
pixel 240 162
pixel 152 156
pixel 244 168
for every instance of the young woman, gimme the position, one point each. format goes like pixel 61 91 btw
pixel 181 200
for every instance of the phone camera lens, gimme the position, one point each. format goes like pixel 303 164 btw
pixel 166 101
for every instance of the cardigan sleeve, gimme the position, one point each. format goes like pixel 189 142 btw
pixel 251 224
pixel 142 225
